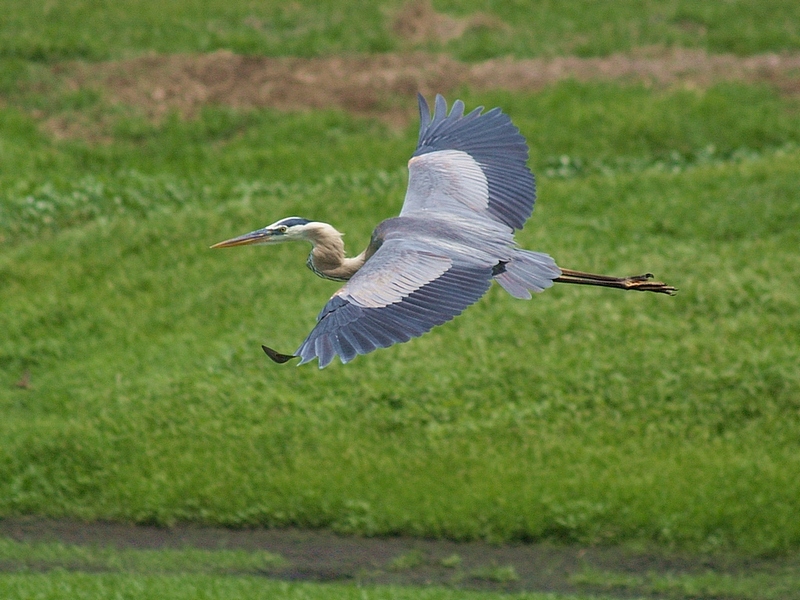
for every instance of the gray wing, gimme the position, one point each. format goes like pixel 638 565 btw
pixel 476 161
pixel 401 292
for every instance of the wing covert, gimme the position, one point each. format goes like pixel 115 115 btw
pixel 462 158
pixel 401 292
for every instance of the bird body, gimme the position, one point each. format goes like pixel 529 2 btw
pixel 469 189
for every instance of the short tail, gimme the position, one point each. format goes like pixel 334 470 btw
pixel 526 272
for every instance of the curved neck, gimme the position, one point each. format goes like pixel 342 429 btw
pixel 327 258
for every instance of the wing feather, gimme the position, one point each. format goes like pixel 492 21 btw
pixel 506 191
pixel 469 188
pixel 323 348
pixel 359 318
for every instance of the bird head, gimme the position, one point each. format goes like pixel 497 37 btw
pixel 285 230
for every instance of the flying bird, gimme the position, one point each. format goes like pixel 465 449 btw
pixel 469 189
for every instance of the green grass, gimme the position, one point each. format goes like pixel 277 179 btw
pixel 98 29
pixel 496 573
pixel 84 586
pixel 49 556
pixel 773 584
pixel 54 570
pixel 584 415
pixel 573 130
pixel 587 28
pixel 407 560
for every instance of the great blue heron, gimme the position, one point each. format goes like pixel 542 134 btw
pixel 469 189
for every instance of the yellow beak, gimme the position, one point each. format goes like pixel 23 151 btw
pixel 259 236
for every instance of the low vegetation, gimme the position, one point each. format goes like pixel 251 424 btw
pixel 54 570
pixel 88 586
pixel 133 386
pixel 36 31
pixel 582 415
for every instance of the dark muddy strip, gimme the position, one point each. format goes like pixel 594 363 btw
pixel 318 555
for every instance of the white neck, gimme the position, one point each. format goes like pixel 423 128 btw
pixel 327 258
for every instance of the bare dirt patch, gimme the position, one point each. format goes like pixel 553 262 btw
pixel 325 556
pixel 381 85
pixel 417 22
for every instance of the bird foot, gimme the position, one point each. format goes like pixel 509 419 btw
pixel 642 283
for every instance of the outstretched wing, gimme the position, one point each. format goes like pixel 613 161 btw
pixel 469 175
pixel 402 291
pixel 476 162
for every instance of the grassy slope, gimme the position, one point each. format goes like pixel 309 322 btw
pixel 585 414
pixel 572 129
pixel 98 29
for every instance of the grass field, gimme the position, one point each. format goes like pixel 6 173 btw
pixel 97 29
pixel 54 570
pixel 133 386
pixel 84 586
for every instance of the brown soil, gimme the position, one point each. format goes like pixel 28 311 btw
pixel 325 556
pixel 383 85
pixel 417 22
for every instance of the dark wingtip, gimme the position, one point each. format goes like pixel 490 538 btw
pixel 424 113
pixel 277 356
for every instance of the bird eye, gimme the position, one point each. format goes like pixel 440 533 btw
pixel 283 228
